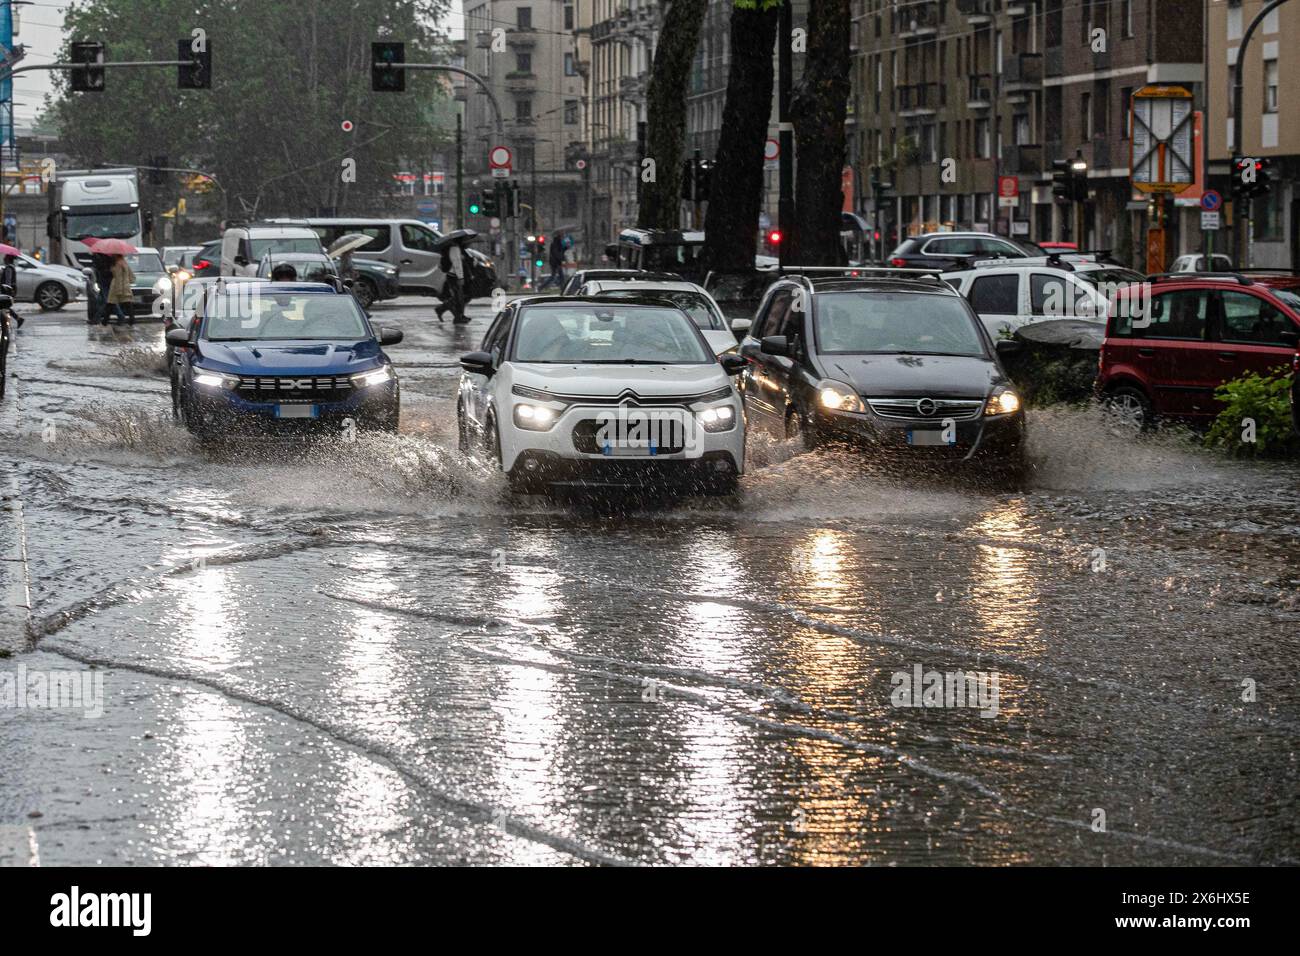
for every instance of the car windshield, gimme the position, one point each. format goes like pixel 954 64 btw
pixel 251 312
pixel 693 304
pixel 1029 248
pixel 1290 297
pixel 310 269
pixel 261 247
pixel 903 323
pixel 607 335
pixel 145 262
pixel 121 224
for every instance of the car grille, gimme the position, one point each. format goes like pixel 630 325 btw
pixel 285 388
pixel 919 409
pixel 586 442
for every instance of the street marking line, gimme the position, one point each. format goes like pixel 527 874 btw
pixel 19 847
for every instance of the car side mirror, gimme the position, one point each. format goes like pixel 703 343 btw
pixel 480 363
pixel 1006 346
pixel 389 336
pixel 775 345
pixel 178 337
pixel 733 364
pixel 1291 339
pixel 741 326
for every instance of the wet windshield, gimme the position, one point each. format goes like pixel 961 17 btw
pixel 145 262
pixel 693 304
pixel 102 225
pixel 261 247
pixel 608 335
pixel 248 313
pixel 895 323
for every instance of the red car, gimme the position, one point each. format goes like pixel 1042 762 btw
pixel 1163 358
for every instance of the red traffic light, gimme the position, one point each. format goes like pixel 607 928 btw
pixel 774 237
pixel 541 239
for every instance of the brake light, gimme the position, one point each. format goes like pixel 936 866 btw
pixel 898 263
pixel 201 264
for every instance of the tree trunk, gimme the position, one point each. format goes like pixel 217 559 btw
pixel 666 114
pixel 736 186
pixel 819 107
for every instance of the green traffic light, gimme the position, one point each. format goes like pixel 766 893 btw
pixel 473 209
pixel 538 263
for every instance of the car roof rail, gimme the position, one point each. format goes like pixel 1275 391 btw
pixel 1266 270
pixel 1176 276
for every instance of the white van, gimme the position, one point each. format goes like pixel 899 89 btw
pixel 1009 297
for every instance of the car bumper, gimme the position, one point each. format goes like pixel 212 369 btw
pixel 570 452
pixel 228 413
pixel 989 440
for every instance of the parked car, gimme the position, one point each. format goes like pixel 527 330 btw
pixel 902 367
pixel 207 261
pixel 1164 356
pixel 244 244
pixel 178 256
pixel 1009 297
pixel 375 280
pixel 581 277
pixel 49 285
pixel 282 359
pixel 1195 262
pixel 941 250
pixel 406 244
pixel 569 392
pixel 687 296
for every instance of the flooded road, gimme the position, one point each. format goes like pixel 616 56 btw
pixel 369 653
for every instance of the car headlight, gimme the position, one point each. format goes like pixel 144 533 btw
pixel 1002 402
pixel 214 379
pixel 376 376
pixel 534 418
pixel 721 418
pixel 162 286
pixel 838 397
pixel 181 276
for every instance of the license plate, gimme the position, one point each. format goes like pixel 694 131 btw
pixel 624 450
pixel 916 436
pixel 295 411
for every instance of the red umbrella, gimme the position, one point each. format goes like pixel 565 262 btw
pixel 8 250
pixel 113 247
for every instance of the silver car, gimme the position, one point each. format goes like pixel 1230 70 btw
pixel 49 285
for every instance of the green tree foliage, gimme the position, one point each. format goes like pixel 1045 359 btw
pixel 285 78
pixel 1261 399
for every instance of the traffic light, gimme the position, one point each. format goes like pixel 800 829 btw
pixel 1062 181
pixel 197 73
pixel 1250 176
pixel 492 203
pixel 384 78
pixel 475 205
pixel 87 79
pixel 703 174
pixel 539 252
pixel 774 240
pixel 512 201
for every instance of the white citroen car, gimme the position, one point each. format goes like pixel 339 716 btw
pixel 583 392
pixel 687 296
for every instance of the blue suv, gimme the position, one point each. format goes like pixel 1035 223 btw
pixel 277 358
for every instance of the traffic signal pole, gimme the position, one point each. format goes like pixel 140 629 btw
pixel 1238 139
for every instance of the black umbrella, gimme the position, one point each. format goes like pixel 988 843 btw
pixel 455 237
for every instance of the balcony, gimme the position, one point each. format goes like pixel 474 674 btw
pixel 1020 8
pixel 977 12
pixel 521 38
pixel 1022 72
pixel 917 20
pixel 518 82
pixel 1025 158
pixel 979 91
pixel 1101 60
pixel 919 99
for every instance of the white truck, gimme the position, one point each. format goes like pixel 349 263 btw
pixel 101 203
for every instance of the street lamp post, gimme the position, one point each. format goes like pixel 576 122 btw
pixel 1079 168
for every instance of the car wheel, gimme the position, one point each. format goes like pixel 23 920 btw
pixel 365 292
pixel 51 296
pixel 798 428
pixel 462 430
pixel 1129 408
pixel 492 441
pixel 176 404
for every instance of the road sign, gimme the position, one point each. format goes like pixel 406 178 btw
pixel 771 153
pixel 1161 148
pixel 1008 192
pixel 1211 201
pixel 500 157
pixel 1210 221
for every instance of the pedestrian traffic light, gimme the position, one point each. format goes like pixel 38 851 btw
pixel 385 76
pixel 195 70
pixel 475 205
pixel 87 79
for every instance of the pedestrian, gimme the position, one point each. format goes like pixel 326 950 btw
pixel 9 280
pixel 119 291
pixel 557 264
pixel 453 287
pixel 102 266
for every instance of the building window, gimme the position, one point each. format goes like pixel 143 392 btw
pixel 1023 135
pixel 570 204
pixel 1126 14
pixel 570 67
pixel 982 144
pixel 524 18
pixel 1126 109
pixel 1085 114
pixel 1270 86
pixel 570 112
pixel 523 110
pixel 568 18
pixel 1266 218
pixel 523 63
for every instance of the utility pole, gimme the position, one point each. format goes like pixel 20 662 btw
pixel 785 211
pixel 460 171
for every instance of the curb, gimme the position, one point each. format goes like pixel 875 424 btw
pixel 15 586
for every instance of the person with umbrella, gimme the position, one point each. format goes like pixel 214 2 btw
pixel 557 263
pixel 119 287
pixel 452 247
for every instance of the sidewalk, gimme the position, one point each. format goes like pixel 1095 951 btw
pixel 15 598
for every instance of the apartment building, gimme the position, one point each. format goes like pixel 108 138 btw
pixel 1270 121
pixel 529 52
pixel 952 94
